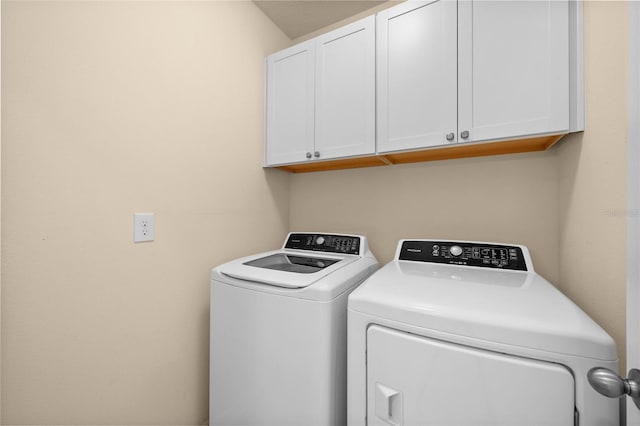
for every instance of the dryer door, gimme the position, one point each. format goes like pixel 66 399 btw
pixel 413 380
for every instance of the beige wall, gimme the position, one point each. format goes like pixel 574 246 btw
pixel 593 173
pixel 111 108
pixel 566 204
pixel 510 198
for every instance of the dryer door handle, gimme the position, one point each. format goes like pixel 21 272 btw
pixel 388 404
pixel 609 384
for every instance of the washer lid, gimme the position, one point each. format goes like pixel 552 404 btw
pixel 509 307
pixel 286 268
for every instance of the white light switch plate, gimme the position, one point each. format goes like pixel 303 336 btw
pixel 143 227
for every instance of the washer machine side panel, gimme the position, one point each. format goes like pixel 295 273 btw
pixel 276 360
pixel 415 380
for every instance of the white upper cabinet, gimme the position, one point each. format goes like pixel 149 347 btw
pixel 428 74
pixel 321 97
pixel 417 75
pixel 513 68
pixel 472 70
pixel 345 91
pixel 290 104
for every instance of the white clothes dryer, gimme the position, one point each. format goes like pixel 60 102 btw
pixel 467 333
pixel 279 332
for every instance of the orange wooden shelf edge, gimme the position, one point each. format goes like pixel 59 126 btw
pixel 540 143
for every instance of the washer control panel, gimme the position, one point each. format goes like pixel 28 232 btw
pixel 344 244
pixel 464 253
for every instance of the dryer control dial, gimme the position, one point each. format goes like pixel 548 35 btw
pixel 455 250
pixel 320 240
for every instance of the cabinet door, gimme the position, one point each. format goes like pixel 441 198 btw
pixel 290 104
pixel 345 91
pixel 417 75
pixel 414 380
pixel 513 68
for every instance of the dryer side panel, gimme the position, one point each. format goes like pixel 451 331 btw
pixel 414 380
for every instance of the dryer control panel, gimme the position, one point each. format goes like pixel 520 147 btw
pixel 343 244
pixel 464 253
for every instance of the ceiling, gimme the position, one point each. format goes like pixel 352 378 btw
pixel 300 17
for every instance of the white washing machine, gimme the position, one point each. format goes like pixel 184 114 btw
pixel 279 332
pixel 466 333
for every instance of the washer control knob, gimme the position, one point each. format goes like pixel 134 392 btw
pixel 455 250
pixel 320 240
